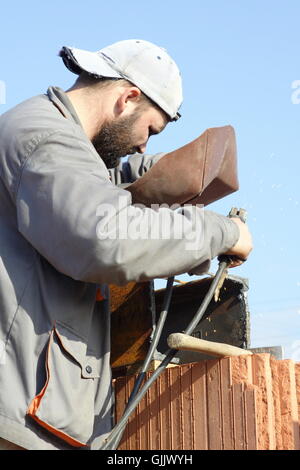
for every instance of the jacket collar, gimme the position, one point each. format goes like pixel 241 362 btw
pixel 60 99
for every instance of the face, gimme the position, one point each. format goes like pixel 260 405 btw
pixel 130 134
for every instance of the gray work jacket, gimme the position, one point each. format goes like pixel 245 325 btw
pixel 60 212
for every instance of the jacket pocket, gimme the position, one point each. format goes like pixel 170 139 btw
pixel 65 405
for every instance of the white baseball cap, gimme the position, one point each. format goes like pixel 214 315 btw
pixel 147 66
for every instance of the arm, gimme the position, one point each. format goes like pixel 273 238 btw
pixel 133 168
pixel 66 207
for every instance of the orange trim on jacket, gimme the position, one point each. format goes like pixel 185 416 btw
pixel 35 403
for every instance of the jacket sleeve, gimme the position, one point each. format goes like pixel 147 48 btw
pixel 87 228
pixel 132 169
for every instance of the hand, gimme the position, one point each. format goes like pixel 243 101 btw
pixel 244 245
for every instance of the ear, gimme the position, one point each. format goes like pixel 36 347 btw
pixel 128 99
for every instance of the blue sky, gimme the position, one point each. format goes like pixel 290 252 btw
pixel 238 60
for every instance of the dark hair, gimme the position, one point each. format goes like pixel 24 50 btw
pixel 91 81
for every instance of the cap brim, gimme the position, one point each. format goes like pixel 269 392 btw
pixel 78 60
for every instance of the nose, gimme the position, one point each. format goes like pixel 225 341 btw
pixel 142 148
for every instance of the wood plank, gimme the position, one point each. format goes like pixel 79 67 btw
pixel 276 379
pixel 214 406
pixel 186 406
pixel 262 377
pixel 165 412
pixel 238 416
pixel 250 417
pixel 143 420
pixel 132 422
pixel 199 404
pixel 120 393
pixel 226 402
pixel 153 404
pixel 289 405
pixel 176 422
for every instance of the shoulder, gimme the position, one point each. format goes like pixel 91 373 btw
pixel 36 127
pixel 29 123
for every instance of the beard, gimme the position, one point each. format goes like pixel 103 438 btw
pixel 115 140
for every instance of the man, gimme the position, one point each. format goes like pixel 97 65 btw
pixel 59 207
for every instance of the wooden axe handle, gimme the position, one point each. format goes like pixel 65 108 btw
pixel 184 342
